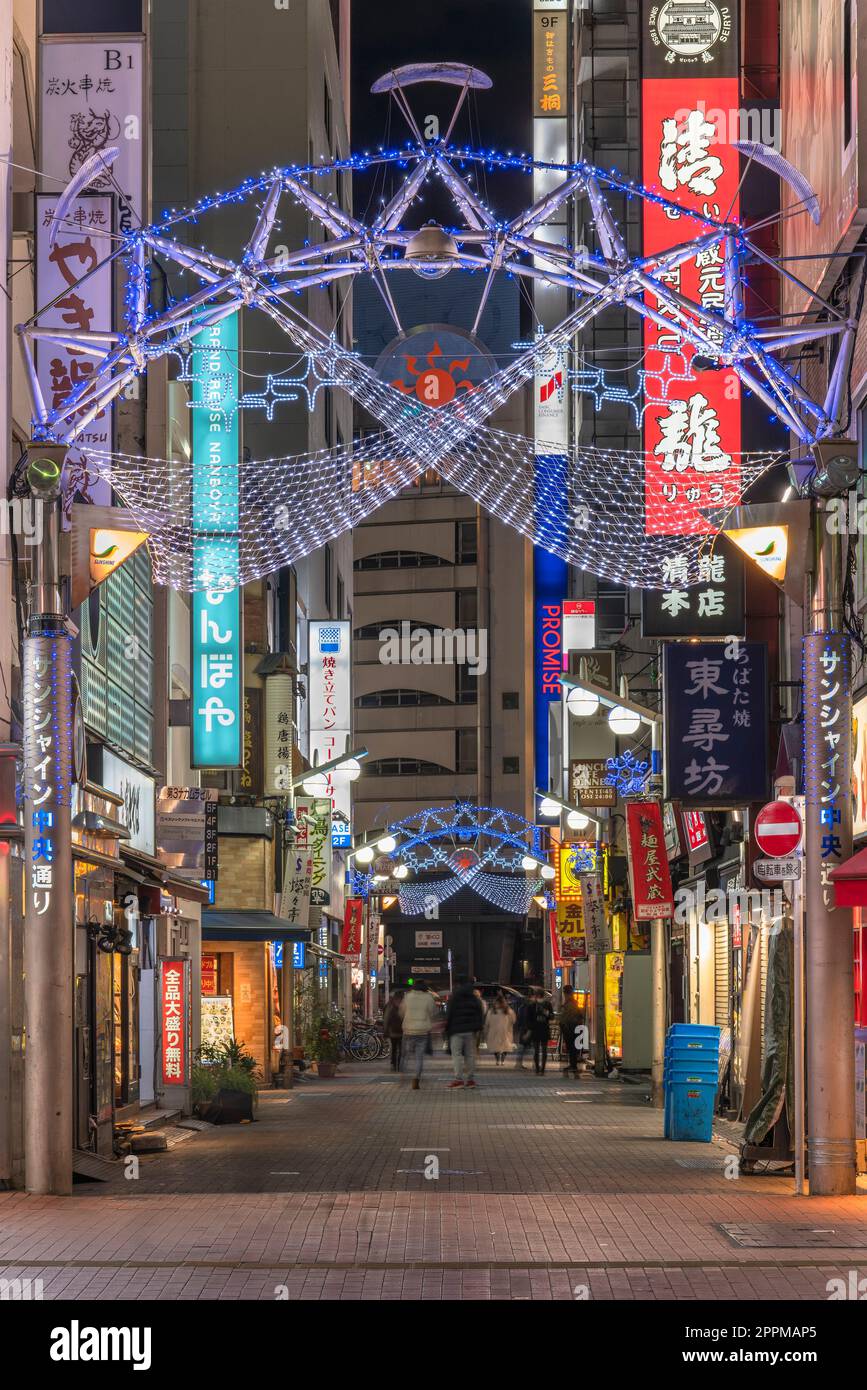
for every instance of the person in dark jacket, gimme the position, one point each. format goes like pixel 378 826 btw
pixel 465 1017
pixel 540 1029
pixel 569 1019
pixel 526 1013
pixel 392 1026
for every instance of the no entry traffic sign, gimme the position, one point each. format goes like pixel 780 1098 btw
pixel 778 829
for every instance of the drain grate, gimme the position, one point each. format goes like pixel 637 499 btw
pixel 717 1164
pixel 775 1236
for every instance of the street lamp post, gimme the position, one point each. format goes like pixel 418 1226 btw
pixel 587 700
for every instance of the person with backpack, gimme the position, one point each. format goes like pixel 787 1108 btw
pixel 392 1027
pixel 465 1018
pixel 540 1028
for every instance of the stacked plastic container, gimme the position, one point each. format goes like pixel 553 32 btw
pixel 690 1079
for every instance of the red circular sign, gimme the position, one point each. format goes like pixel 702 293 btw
pixel 778 829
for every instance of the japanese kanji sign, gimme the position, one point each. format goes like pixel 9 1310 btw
pixel 714 607
pixel 217 649
pixel 279 706
pixel 350 944
pixel 570 926
pixel 716 722
pixel 692 428
pixel 649 875
pixel 174 1021
pixel 82 247
pixel 596 923
pixel 329 703
pixel 827 755
pixel 48 777
pixel 550 65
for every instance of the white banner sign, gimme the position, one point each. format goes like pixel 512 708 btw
pixel 91 98
pixel 329 701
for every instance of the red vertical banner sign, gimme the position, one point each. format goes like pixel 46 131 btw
pixel 173 1021
pixel 350 944
pixel 689 104
pixel 556 954
pixel 649 876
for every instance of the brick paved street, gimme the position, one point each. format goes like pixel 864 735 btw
pixel 548 1189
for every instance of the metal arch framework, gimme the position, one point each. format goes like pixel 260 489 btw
pixel 431 842
pixel 453 437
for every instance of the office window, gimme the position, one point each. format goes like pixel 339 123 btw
pixel 511 699
pixel 405 767
pixel 466 543
pixel 847 72
pixel 329 578
pixel 341 595
pixel 467 750
pixel 466 686
pixel 392 699
pixel 466 608
pixel 511 765
pixel 400 560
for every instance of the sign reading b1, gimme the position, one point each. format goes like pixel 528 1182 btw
pixel 778 829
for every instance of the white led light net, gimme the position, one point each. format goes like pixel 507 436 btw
pixel 586 505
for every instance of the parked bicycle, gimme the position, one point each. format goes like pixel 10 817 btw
pixel 363 1043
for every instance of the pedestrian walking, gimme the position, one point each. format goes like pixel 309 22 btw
pixel 417 1013
pixel 465 1018
pixel 569 1019
pixel 392 1027
pixel 499 1028
pixel 526 1012
pixel 540 1028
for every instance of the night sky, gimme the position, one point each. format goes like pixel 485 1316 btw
pixel 494 35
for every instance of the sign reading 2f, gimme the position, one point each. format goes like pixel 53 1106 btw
pixel 217 660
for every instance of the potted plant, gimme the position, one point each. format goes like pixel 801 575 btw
pixel 225 1082
pixel 321 1042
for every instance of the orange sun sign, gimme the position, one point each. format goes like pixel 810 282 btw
pixel 434 386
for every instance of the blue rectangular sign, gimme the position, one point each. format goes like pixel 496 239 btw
pixel 299 954
pixel 217 648
pixel 716 722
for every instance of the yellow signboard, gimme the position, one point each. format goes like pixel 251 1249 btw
pixel 614 1003
pixel 108 550
pixel 766 546
pixel 570 928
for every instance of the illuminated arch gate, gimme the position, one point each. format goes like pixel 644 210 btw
pixel 290 506
pixel 464 846
pixel 467 874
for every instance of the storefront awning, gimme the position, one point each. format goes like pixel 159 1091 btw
pixel 156 875
pixel 249 925
pixel 850 881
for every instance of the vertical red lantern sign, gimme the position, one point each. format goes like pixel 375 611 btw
pixel 689 105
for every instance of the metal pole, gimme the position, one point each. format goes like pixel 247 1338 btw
pixel 600 1065
pixel 7 622
pixel 48 925
pixel 798 1029
pixel 829 966
pixel 658 953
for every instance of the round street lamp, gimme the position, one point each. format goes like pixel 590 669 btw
pixel 582 702
pixel 316 784
pixel 528 862
pixel 387 844
pixel 548 872
pixel 623 721
pixel 364 855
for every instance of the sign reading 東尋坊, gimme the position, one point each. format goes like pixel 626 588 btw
pixel 716 722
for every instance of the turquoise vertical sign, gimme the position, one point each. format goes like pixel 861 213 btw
pixel 217 648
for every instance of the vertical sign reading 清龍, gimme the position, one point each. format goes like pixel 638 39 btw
pixel 692 428
pixel 329 703
pixel 217 661
pixel 551 108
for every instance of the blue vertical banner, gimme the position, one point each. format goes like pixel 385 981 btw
pixel 217 647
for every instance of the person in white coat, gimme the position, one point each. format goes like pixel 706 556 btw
pixel 417 1013
pixel 499 1028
